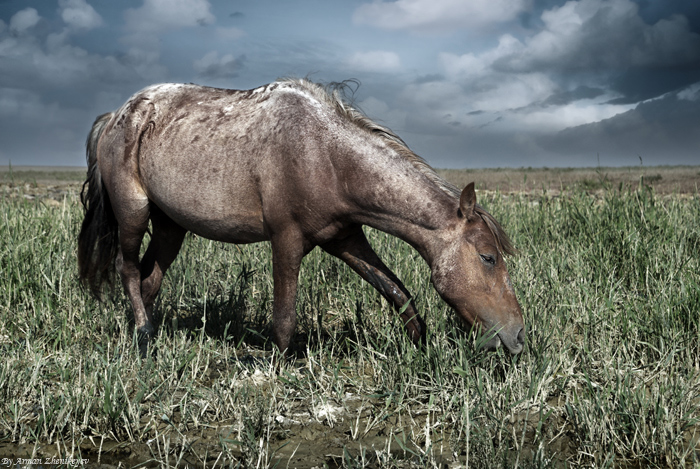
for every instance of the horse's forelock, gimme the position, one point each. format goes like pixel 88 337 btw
pixel 504 243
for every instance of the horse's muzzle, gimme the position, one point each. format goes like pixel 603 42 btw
pixel 514 343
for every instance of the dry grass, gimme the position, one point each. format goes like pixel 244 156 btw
pixel 664 179
pixel 609 281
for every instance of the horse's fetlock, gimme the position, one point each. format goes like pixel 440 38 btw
pixel 144 335
pixel 146 332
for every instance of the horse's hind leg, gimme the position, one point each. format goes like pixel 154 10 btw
pixel 133 223
pixel 163 248
pixel 356 251
pixel 142 279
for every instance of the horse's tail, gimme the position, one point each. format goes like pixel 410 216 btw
pixel 98 238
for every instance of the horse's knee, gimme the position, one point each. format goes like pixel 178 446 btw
pixel 150 287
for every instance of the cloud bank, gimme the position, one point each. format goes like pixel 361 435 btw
pixel 584 76
pixel 466 84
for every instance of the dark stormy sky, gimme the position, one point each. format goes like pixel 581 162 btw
pixel 467 83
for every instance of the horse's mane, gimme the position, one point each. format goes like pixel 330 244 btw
pixel 335 94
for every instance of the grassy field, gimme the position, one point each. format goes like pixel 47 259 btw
pixel 609 282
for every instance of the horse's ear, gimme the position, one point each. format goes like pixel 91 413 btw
pixel 467 201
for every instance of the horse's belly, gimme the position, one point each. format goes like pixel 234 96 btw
pixel 223 212
pixel 230 227
pixel 234 229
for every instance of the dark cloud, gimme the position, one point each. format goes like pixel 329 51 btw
pixel 487 124
pixel 236 15
pixel 609 42
pixel 653 10
pixel 47 62
pixel 655 130
pixel 640 84
pixel 531 18
pixel 429 78
pixel 213 67
pixel 566 97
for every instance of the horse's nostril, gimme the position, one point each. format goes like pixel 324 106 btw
pixel 521 336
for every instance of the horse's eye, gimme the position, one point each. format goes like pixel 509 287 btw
pixel 488 259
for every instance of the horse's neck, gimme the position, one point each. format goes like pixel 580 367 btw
pixel 409 206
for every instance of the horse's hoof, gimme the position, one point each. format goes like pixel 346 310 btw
pixel 144 336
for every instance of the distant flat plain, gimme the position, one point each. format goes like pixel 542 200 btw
pixel 664 179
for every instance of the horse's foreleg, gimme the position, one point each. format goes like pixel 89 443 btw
pixel 162 250
pixel 356 251
pixel 287 253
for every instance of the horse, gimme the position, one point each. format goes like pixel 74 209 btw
pixel 293 163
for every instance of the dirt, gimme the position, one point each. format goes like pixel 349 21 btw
pixel 304 444
pixel 309 434
pixel 50 185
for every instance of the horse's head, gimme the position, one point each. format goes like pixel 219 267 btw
pixel 471 276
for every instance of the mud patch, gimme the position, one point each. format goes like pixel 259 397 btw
pixel 357 432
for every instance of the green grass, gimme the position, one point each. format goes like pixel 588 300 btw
pixel 610 376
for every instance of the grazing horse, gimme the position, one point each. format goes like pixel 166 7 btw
pixel 294 164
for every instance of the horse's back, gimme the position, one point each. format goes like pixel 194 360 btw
pixel 213 158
